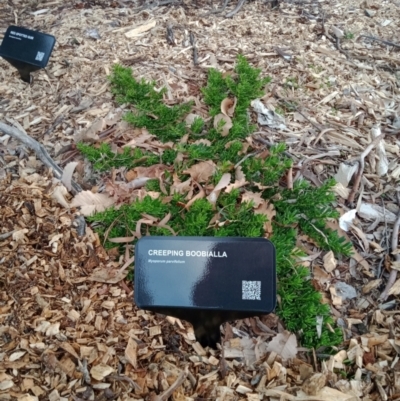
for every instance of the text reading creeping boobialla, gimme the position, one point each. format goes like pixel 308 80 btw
pixel 198 254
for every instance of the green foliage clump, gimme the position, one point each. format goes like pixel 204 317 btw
pixel 197 125
pixel 270 170
pixel 149 112
pixel 300 304
pixel 246 85
pixel 303 209
pixel 104 159
pixel 169 155
pixel 309 208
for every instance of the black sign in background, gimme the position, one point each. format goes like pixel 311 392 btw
pixel 26 50
pixel 206 291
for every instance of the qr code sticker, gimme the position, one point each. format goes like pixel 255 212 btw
pixel 39 56
pixel 251 290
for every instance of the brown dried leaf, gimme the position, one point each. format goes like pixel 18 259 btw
pixel 226 127
pixel 240 180
pixel 203 141
pixel 180 187
pixel 200 195
pixel 223 183
pixel 321 276
pixel 268 209
pixel 67 174
pixel 202 171
pixel 91 134
pixel 190 118
pixel 228 106
pixel 59 194
pixel 91 203
pixel 154 171
pixel 254 197
pixel 142 137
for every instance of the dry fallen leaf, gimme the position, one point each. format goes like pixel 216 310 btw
pixel 284 344
pixel 59 194
pixel 240 180
pixel 91 134
pixel 91 203
pixel 202 141
pixel 228 106
pixel 180 187
pixel 223 183
pixel 67 174
pixel 227 125
pixel 267 209
pixel 254 197
pixel 321 276
pixel 154 171
pixel 190 118
pixel 202 171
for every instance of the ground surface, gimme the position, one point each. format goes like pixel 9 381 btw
pixel 69 329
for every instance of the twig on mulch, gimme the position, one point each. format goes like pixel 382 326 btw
pixel 194 47
pixel 335 41
pixel 149 5
pixel 218 10
pixel 6 235
pixel 393 272
pixel 258 138
pixel 170 35
pixel 236 9
pixel 56 123
pixel 167 393
pixel 125 379
pixel 289 178
pixel 361 165
pixel 294 107
pixel 386 42
pixel 40 151
pixel 246 157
